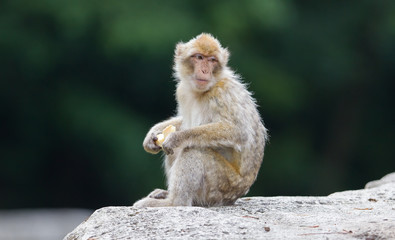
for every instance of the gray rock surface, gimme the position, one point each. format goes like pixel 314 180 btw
pixel 39 224
pixel 359 214
pixel 384 180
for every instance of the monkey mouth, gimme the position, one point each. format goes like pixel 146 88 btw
pixel 201 81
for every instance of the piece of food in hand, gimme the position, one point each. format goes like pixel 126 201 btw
pixel 162 136
pixel 169 129
pixel 161 139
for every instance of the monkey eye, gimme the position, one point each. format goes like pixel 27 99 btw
pixel 199 56
pixel 212 59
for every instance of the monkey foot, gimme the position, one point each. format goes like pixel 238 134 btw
pixel 158 194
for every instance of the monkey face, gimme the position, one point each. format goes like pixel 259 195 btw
pixel 199 62
pixel 203 71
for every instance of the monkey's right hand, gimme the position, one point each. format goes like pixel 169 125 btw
pixel 150 145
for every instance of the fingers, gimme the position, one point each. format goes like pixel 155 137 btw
pixel 150 145
pixel 167 150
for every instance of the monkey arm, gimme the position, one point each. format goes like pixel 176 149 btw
pixel 218 134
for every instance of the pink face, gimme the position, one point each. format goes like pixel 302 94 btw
pixel 204 67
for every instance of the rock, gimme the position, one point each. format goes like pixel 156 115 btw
pixel 39 224
pixel 359 214
pixel 386 179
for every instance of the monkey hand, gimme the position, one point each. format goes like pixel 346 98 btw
pixel 162 136
pixel 149 143
pixel 170 143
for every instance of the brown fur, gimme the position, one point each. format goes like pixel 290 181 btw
pixel 206 45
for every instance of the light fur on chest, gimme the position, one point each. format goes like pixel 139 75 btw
pixel 194 113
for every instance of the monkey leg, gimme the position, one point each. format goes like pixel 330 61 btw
pixel 186 177
pixel 199 177
pixel 206 177
pixel 185 181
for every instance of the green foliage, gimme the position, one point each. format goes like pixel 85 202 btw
pixel 81 82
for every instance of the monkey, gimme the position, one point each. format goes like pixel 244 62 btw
pixel 214 156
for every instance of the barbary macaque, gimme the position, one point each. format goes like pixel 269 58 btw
pixel 215 153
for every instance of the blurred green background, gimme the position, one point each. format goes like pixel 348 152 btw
pixel 81 82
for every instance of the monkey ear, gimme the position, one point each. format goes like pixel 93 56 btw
pixel 180 48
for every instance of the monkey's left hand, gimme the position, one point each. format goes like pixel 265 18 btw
pixel 171 142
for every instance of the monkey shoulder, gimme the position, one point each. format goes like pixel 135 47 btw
pixel 234 99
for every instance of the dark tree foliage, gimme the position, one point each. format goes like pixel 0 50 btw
pixel 81 82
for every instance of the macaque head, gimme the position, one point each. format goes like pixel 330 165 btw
pixel 200 62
